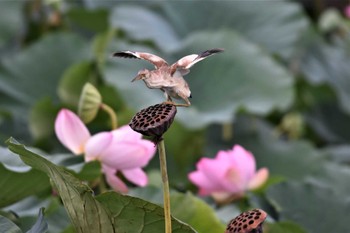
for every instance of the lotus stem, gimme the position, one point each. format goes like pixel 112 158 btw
pixel 166 193
pixel 227 131
pixel 112 115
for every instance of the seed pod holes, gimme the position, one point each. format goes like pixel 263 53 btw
pixel 154 121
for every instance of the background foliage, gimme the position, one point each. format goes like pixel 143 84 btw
pixel 280 89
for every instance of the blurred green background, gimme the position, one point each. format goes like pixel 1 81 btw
pixel 281 89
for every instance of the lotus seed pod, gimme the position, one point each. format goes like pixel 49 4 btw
pixel 89 103
pixel 154 121
pixel 247 222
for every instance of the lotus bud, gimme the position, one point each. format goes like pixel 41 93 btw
pixel 89 103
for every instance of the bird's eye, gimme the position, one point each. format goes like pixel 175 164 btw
pixel 190 95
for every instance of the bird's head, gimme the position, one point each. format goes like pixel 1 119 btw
pixel 142 74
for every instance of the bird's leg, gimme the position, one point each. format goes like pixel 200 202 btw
pixel 176 104
pixel 170 101
pixel 182 105
pixel 187 104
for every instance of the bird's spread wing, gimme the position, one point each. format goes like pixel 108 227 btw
pixel 184 64
pixel 155 60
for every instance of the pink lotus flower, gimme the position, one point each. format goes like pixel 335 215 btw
pixel 228 175
pixel 121 150
pixel 347 11
pixel 71 131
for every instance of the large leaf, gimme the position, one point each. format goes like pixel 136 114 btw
pixel 335 177
pixel 329 122
pixel 34 72
pixel 143 25
pixel 110 212
pixel 11 162
pixel 13 117
pixel 196 212
pixel 86 214
pixel 42 118
pixel 339 153
pixel 72 82
pixel 16 186
pixel 40 225
pixel 285 227
pixel 314 207
pixel 28 206
pixel 92 20
pixel 133 214
pixel 187 208
pixel 56 216
pixel 324 63
pixel 275 25
pixel 243 76
pixel 227 212
pixel 26 210
pixel 6 226
pixel 10 20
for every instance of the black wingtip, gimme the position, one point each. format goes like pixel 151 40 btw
pixel 216 50
pixel 118 54
pixel 211 51
pixel 123 54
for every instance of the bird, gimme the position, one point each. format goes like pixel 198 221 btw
pixel 168 78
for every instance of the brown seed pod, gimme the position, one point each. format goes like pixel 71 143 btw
pixel 154 121
pixel 247 222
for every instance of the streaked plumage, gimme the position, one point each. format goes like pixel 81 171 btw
pixel 167 78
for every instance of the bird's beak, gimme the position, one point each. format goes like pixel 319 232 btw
pixel 138 77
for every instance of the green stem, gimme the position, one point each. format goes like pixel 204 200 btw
pixel 166 193
pixel 102 184
pixel 111 114
pixel 227 131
